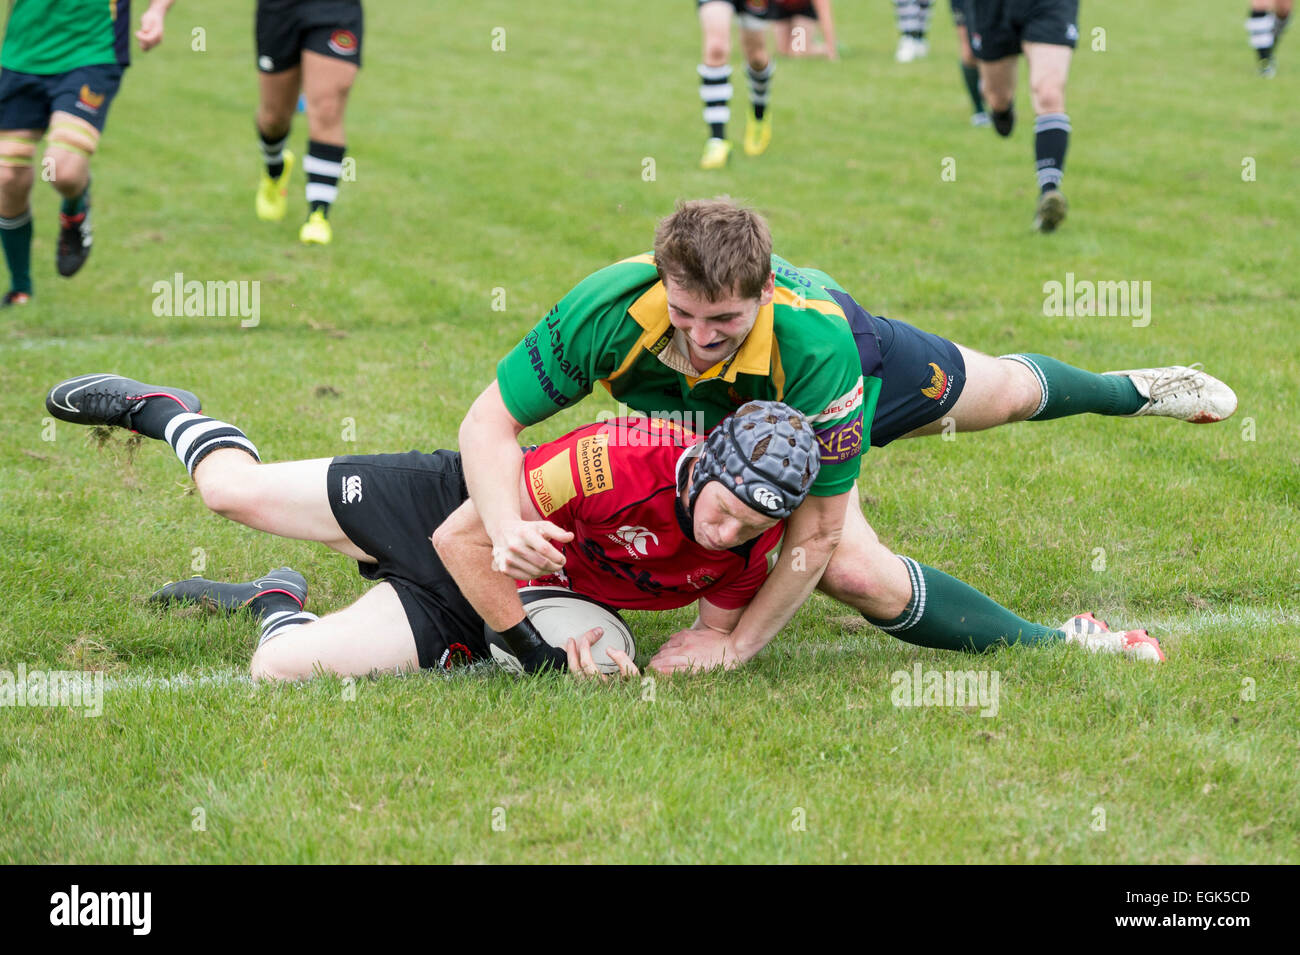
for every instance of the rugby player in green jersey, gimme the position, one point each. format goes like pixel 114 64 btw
pixel 60 67
pixel 713 319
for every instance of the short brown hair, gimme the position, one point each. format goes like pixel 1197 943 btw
pixel 715 248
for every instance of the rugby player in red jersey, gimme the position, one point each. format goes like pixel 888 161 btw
pixel 713 319
pixel 652 517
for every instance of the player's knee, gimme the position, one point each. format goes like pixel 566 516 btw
pixel 16 180
pixel 1049 96
pixel 16 166
pixel 716 51
pixel 70 170
pixel 232 500
pixel 855 577
pixel 1018 393
pixel 272 664
pixel 325 110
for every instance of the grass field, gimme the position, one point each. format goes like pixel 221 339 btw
pixel 524 170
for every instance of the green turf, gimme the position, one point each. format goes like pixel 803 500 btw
pixel 523 170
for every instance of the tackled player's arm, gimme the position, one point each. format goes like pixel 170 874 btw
pixel 494 468
pixel 730 638
pixel 465 549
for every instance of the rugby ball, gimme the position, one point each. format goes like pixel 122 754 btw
pixel 559 615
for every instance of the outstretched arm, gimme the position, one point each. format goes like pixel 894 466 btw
pixel 827 21
pixel 811 535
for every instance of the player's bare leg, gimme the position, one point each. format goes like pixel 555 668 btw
pixel 997 391
pixel 1027 387
pixel 715 80
pixel 17 157
pixel 288 499
pixel 373 635
pixel 1049 69
pixel 326 82
pixel 72 142
pixel 927 607
pixel 863 572
pixel 998 82
pixel 276 102
pixel 758 74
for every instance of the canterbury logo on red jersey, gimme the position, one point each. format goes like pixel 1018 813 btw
pixel 634 539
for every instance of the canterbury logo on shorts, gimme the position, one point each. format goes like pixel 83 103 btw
pixel 352 489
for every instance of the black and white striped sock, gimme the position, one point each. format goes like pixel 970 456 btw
pixel 280 622
pixel 1261 26
pixel 323 166
pixel 194 436
pixel 273 153
pixel 913 17
pixel 1051 140
pixel 758 84
pixel 715 91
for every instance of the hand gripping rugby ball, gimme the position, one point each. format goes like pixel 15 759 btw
pixel 559 614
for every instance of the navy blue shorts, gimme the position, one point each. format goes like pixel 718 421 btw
pixel 921 374
pixel 28 99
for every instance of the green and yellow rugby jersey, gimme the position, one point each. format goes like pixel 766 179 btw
pixel 57 36
pixel 613 328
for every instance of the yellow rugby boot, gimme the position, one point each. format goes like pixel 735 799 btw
pixel 316 230
pixel 716 154
pixel 758 134
pixel 273 194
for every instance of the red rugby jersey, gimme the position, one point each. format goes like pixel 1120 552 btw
pixel 614 485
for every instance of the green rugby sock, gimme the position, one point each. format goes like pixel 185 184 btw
pixel 16 237
pixel 75 206
pixel 1068 390
pixel 946 614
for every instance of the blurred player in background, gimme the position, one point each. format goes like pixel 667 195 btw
pixel 715 76
pixel 1046 32
pixel 970 72
pixel 794 23
pixel 62 64
pixel 913 24
pixel 1267 20
pixel 309 47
